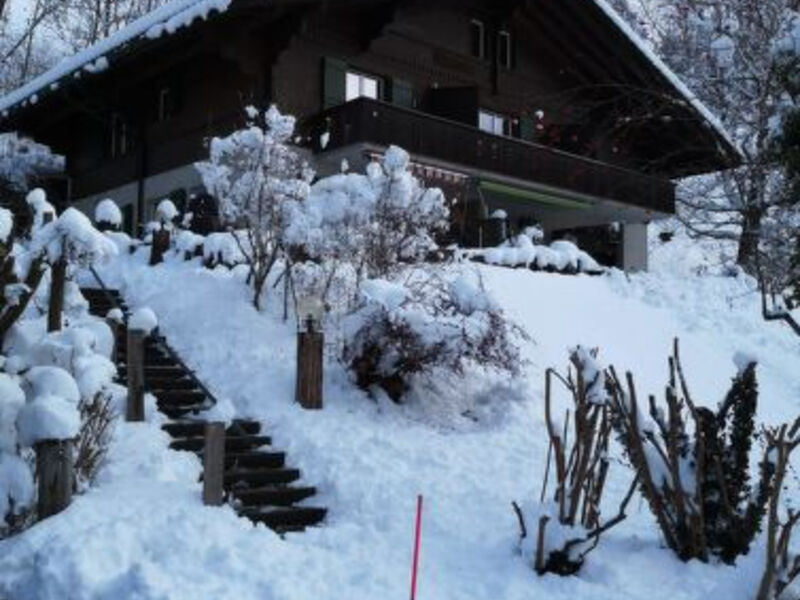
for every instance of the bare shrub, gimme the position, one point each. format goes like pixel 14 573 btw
pixel 97 417
pixel 580 465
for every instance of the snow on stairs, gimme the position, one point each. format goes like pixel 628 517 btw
pixel 257 481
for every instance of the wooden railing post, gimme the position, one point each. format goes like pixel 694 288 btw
pixel 308 389
pixel 58 281
pixel 113 325
pixel 214 464
pixel 160 246
pixel 54 469
pixel 135 367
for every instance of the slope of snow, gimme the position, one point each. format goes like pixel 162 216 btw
pixel 470 447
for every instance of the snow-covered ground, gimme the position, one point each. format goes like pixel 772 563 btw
pixel 470 447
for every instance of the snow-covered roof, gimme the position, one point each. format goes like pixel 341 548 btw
pixel 166 19
pixel 712 119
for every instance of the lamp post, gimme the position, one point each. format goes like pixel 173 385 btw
pixel 310 341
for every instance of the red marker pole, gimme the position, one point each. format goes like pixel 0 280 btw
pixel 417 534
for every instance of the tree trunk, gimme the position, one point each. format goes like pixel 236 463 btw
pixel 747 254
pixel 58 280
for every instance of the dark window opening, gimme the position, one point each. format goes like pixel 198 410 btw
pixel 505 50
pixel 120 142
pixel 478 45
pixel 165 107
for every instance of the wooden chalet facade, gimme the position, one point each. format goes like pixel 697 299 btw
pixel 546 109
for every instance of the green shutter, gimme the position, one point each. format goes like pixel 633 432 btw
pixel 527 128
pixel 401 93
pixel 334 73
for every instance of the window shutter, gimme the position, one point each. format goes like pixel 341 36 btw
pixel 334 72
pixel 402 93
pixel 527 128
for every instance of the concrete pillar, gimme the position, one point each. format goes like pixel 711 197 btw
pixel 634 247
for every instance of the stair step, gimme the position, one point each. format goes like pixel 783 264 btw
pixel 257 459
pixel 232 443
pixel 164 383
pixel 273 496
pixel 255 478
pixel 178 397
pixel 198 428
pixel 158 370
pixel 182 412
pixel 289 517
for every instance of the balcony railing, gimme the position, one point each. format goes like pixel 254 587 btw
pixel 424 135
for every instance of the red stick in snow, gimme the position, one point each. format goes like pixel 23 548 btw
pixel 417 533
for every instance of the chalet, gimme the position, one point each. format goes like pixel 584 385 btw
pixel 530 111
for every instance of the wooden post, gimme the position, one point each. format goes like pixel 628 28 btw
pixel 160 246
pixel 308 389
pixel 54 469
pixel 113 325
pixel 135 367
pixel 213 464
pixel 58 281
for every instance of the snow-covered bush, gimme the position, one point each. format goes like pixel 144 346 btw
pixel 696 479
pixel 558 532
pixel 21 159
pixel 561 256
pixel 224 249
pixel 256 175
pixel 401 332
pixel 107 215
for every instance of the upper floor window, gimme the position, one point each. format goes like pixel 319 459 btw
pixel 496 123
pixel 165 106
pixel 504 49
pixel 358 85
pixel 120 136
pixel 478 46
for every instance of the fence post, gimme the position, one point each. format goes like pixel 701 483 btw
pixel 58 281
pixel 214 464
pixel 135 366
pixel 55 472
pixel 308 388
pixel 113 325
pixel 160 246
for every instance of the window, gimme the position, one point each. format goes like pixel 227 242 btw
pixel 478 39
pixel 166 104
pixel 120 143
pixel 359 85
pixel 494 123
pixel 504 50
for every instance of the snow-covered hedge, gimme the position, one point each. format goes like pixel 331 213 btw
pixel 401 332
pixel 561 256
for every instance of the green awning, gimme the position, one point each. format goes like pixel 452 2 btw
pixel 511 192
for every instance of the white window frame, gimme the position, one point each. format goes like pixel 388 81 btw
pixel 361 80
pixel 500 124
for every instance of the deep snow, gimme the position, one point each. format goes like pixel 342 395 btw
pixel 470 447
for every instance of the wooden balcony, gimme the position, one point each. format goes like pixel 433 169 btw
pixel 430 137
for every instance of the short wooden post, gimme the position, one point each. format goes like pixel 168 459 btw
pixel 58 281
pixel 135 369
pixel 214 464
pixel 54 468
pixel 160 246
pixel 308 389
pixel 113 325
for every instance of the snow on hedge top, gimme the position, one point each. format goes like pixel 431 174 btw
pixel 74 232
pixel 659 64
pixel 143 319
pixel 165 19
pixel 47 418
pixel 107 211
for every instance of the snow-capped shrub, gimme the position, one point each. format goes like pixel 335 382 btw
pixel 107 215
pixel 21 158
pixel 43 211
pixel 188 244
pixel 256 175
pixel 400 332
pixel 224 249
pixel 166 212
pixel 561 256
pixel 558 532
pixel 72 237
pixel 693 463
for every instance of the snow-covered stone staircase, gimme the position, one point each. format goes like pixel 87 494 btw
pixel 257 481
